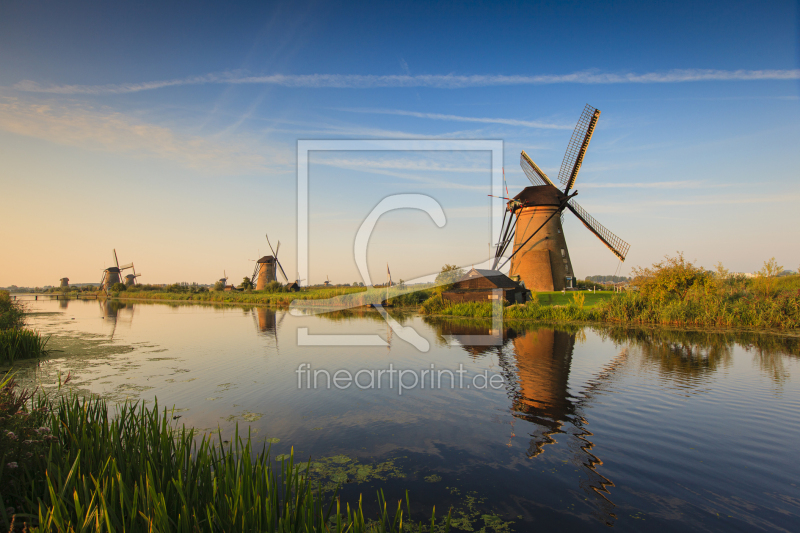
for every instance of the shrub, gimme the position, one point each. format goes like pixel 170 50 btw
pixel 11 313
pixel 433 305
pixel 673 277
pixel 118 287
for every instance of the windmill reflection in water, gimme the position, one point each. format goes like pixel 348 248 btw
pixel 114 312
pixel 536 374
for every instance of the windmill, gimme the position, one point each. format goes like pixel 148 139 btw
pixel 224 279
pixel 112 275
pixel 533 218
pixel 265 271
pixel 327 281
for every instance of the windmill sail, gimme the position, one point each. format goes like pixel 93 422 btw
pixel 573 158
pixel 532 170
pixel 614 243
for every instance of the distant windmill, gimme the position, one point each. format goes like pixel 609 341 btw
pixel 112 275
pixel 532 220
pixel 64 283
pixel 265 271
pixel 224 279
pixel 327 281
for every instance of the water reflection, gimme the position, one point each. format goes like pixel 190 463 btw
pixel 536 374
pixel 266 320
pixel 467 329
pixel 116 312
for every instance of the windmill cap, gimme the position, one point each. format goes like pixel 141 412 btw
pixel 112 269
pixel 540 195
pixel 266 259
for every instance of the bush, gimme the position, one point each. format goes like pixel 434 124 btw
pixel 118 287
pixel 672 278
pixel 433 305
pixel 11 313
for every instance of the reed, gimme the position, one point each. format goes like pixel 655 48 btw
pixel 133 471
pixel 17 343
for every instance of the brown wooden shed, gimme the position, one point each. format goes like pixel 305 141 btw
pixel 478 285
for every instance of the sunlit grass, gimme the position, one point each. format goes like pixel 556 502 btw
pixel 92 470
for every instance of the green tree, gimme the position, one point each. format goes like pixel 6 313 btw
pixel 219 286
pixel 449 274
pixel 246 284
pixel 447 277
pixel 673 277
pixel 767 275
pixel 118 287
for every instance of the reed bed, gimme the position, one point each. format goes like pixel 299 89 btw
pixel 133 471
pixel 708 306
pixel 17 343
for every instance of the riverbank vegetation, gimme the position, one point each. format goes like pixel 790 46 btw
pixel 16 341
pixel 71 465
pixel 673 292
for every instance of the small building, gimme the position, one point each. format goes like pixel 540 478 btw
pixel 478 285
pixel 294 287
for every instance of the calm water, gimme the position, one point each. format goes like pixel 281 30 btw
pixel 587 428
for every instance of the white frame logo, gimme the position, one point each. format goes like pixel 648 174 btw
pixel 398 201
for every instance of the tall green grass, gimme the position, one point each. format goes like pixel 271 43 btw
pixel 696 299
pixel 19 343
pixel 134 471
pixel 707 309
pixel 16 342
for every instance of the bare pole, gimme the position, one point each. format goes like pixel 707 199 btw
pixel 561 207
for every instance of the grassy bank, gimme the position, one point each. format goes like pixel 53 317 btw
pixel 338 296
pixel 17 342
pixel 671 293
pixel 74 466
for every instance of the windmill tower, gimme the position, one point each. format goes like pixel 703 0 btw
pixel 112 275
pixel 266 268
pixel 533 219
pixel 64 283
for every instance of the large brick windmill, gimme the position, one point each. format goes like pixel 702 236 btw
pixel 533 218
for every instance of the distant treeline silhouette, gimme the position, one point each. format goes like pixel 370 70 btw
pixel 599 279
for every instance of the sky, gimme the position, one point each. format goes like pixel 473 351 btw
pixel 168 131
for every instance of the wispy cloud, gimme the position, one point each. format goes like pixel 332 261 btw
pixel 102 129
pixel 651 207
pixel 653 185
pixel 403 164
pixel 457 118
pixel 438 81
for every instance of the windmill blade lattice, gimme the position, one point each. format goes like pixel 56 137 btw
pixel 573 158
pixel 614 243
pixel 532 170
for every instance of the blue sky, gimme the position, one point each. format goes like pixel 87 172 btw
pixel 169 132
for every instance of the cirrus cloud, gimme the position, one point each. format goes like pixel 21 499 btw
pixel 437 81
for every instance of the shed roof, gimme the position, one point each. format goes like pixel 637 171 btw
pixel 495 277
